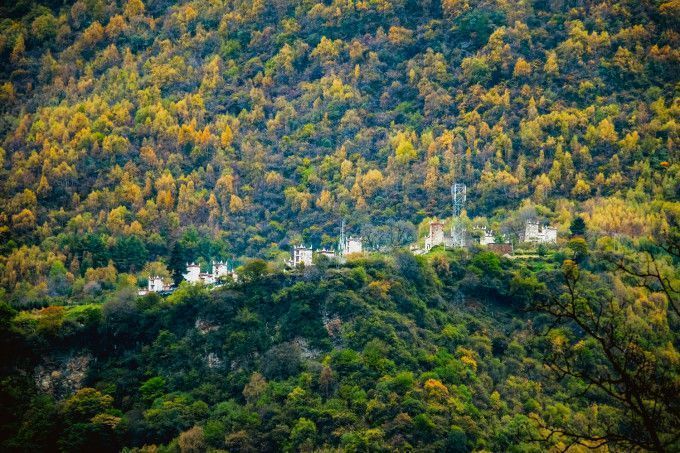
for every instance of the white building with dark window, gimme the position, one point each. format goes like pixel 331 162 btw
pixel 487 237
pixel 301 255
pixel 348 244
pixel 539 234
pixel 193 274
pixel 351 244
pixel 220 269
pixel 155 284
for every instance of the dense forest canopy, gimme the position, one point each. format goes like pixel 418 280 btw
pixel 137 136
pixel 229 129
pixel 383 353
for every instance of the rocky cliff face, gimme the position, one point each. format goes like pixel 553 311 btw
pixel 62 376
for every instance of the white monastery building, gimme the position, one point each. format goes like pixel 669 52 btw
pixel 301 255
pixel 351 244
pixel 219 269
pixel 541 234
pixel 155 284
pixel 487 237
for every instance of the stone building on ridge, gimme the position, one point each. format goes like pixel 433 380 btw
pixel 155 284
pixel 437 236
pixel 539 234
pixel 220 269
pixel 301 255
pixel 487 237
pixel 351 244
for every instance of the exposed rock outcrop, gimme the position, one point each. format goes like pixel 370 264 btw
pixel 61 377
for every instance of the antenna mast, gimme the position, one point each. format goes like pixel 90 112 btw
pixel 341 245
pixel 459 196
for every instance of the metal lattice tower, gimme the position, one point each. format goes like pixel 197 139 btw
pixel 459 196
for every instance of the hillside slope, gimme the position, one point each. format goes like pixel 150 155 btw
pixel 135 132
pixel 136 137
pixel 383 353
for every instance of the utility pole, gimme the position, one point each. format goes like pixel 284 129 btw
pixel 341 245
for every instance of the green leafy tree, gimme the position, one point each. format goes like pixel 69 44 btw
pixel 601 346
pixel 303 435
pixel 253 270
pixel 153 388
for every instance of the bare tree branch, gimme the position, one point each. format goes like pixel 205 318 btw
pixel 610 360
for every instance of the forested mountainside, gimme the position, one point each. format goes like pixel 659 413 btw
pixel 136 137
pixel 207 129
